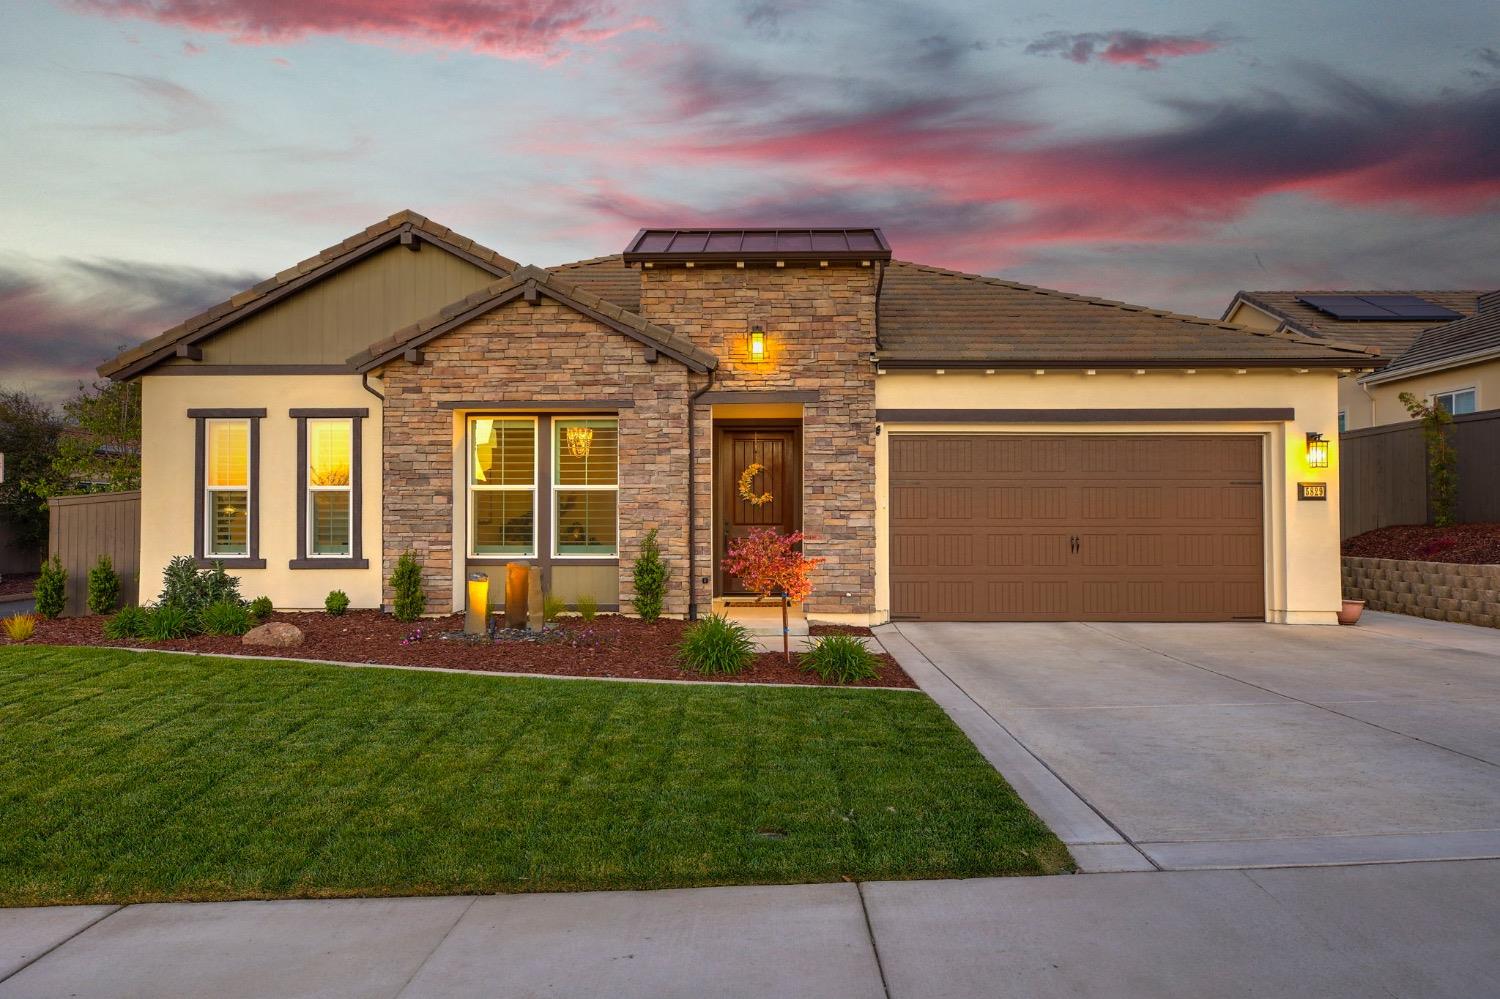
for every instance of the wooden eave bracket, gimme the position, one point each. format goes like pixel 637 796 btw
pixel 531 295
pixel 190 351
pixel 409 240
pixel 414 356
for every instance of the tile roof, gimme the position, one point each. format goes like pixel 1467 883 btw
pixel 792 243
pixel 932 314
pixel 1440 346
pixel 670 343
pixel 1392 338
pixel 607 277
pixel 312 269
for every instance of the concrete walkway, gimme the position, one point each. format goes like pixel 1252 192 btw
pixel 1230 746
pixel 1394 930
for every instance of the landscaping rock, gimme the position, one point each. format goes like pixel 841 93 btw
pixel 277 634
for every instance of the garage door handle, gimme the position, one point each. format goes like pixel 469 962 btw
pixel 1073 544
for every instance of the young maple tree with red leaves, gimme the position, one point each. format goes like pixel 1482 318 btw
pixel 769 563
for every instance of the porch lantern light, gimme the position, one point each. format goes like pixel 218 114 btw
pixel 1317 450
pixel 477 612
pixel 756 343
pixel 580 440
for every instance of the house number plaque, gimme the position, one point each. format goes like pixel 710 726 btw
pixel 1312 491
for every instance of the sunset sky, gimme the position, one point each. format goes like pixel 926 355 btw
pixel 160 155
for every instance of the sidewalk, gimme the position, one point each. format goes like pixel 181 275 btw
pixel 1393 929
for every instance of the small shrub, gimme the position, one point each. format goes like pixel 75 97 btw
pixel 220 587
pixel 840 658
pixel 129 622
pixel 406 583
pixel 336 603
pixel 51 592
pixel 225 617
pixel 19 627
pixel 104 587
pixel 587 607
pixel 190 589
pixel 552 607
pixel 260 609
pixel 165 622
pixel 650 578
pixel 716 645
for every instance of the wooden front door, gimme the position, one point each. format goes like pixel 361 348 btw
pixel 776 450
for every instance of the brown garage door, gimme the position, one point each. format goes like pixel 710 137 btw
pixel 1076 527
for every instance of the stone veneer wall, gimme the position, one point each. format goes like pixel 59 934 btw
pixel 820 328
pixel 1442 591
pixel 544 352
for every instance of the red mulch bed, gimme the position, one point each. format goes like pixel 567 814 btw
pixel 17 584
pixel 609 647
pixel 1470 544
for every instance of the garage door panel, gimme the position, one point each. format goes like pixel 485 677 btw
pixel 1069 527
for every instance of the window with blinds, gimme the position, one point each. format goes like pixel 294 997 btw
pixel 502 486
pixel 226 466
pixel 585 487
pixel 330 487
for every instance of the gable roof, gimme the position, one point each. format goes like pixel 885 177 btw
pixel 528 283
pixel 402 227
pixel 1463 341
pixel 1390 337
pixel 930 314
pixel 607 277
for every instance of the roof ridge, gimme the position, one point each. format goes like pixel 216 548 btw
pixel 1148 310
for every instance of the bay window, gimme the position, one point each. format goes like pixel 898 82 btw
pixel 585 487
pixel 502 486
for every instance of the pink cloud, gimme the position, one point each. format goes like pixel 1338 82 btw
pixel 534 29
pixel 1124 48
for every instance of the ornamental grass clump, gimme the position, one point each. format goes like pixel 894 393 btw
pixel 166 621
pixel 649 575
pixel 128 622
pixel 552 608
pixel 225 617
pixel 716 645
pixel 840 659
pixel 104 587
pixel 19 627
pixel 406 583
pixel 51 591
pixel 587 606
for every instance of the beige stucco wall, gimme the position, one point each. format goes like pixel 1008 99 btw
pixel 1302 538
pixel 1245 314
pixel 167 466
pixel 1484 378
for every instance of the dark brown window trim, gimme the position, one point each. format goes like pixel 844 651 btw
pixel 531 407
pixel 1083 415
pixel 355 559
pixel 1355 362
pixel 254 369
pixel 727 396
pixel 200 477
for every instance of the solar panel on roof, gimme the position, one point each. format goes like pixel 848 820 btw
pixel 1346 307
pixel 1412 307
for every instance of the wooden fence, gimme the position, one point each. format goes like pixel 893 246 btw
pixel 1383 474
pixel 85 527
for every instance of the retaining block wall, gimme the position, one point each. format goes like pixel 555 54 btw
pixel 1442 591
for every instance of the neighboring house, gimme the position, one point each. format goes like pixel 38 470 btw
pixel 1456 365
pixel 954 446
pixel 1387 321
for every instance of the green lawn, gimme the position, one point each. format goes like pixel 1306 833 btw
pixel 133 777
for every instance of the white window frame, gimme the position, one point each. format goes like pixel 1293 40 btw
pixel 1450 393
pixel 348 487
pixel 208 490
pixel 555 488
pixel 472 486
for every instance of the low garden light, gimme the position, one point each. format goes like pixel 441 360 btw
pixel 756 344
pixel 477 613
pixel 1317 450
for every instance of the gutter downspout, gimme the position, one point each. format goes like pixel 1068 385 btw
pixel 692 498
pixel 364 380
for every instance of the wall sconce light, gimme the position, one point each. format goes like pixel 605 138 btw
pixel 477 611
pixel 756 343
pixel 1317 450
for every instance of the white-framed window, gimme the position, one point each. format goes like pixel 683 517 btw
pixel 1343 422
pixel 585 487
pixel 1458 402
pixel 502 485
pixel 330 488
pixel 226 485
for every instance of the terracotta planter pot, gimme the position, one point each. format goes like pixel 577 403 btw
pixel 1351 612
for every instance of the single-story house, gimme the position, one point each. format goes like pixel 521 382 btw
pixel 956 447
pixel 1456 365
pixel 1390 322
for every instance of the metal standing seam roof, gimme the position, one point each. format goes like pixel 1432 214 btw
pixel 757 244
pixel 1390 336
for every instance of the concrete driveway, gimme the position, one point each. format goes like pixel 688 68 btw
pixel 1208 746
